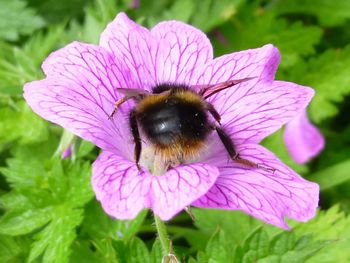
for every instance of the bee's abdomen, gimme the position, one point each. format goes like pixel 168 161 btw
pixel 173 122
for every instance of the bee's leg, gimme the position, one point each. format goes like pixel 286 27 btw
pixel 117 104
pixel 135 94
pixel 210 107
pixel 136 136
pixel 228 144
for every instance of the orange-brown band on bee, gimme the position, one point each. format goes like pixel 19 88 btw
pixel 181 151
pixel 185 95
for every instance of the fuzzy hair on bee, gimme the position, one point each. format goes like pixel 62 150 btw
pixel 175 121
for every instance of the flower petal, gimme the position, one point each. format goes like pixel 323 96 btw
pixel 255 108
pixel 124 191
pixel 132 45
pixel 79 94
pixel 260 193
pixel 180 187
pixel 182 50
pixel 171 52
pixel 303 140
pixel 260 63
pixel 259 111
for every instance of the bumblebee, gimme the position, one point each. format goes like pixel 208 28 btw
pixel 175 121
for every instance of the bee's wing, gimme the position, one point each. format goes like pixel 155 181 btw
pixel 208 90
pixel 133 92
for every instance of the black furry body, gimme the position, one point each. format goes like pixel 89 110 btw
pixel 172 120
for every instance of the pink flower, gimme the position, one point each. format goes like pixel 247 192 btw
pixel 81 88
pixel 303 140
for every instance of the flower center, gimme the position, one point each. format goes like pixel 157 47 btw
pixel 153 162
pixel 158 165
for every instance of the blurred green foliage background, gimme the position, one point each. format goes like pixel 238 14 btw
pixel 47 208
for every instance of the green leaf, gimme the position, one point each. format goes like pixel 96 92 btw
pixel 27 199
pixel 109 251
pixel 328 12
pixel 282 243
pixel 55 11
pixel 8 248
pixel 284 247
pixel 16 19
pixel 98 224
pixel 202 257
pixel 211 13
pixel 235 224
pixel 156 252
pixel 181 10
pixel 205 14
pixel 256 246
pixel 303 250
pixel 328 75
pixel 13 74
pixel 217 249
pixel 15 200
pixel 38 47
pixel 22 222
pixel 55 240
pixel 79 181
pixel 294 40
pixel 22 124
pixel 339 174
pixel 40 152
pixel 57 180
pixel 98 15
pixel 332 225
pixel 22 173
pixel 196 238
pixel 82 252
pixel 85 148
pixel 13 249
pixel 138 252
pixel 20 65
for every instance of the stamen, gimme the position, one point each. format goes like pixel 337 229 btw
pixel 159 166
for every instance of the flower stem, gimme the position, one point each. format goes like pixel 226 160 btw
pixel 162 235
